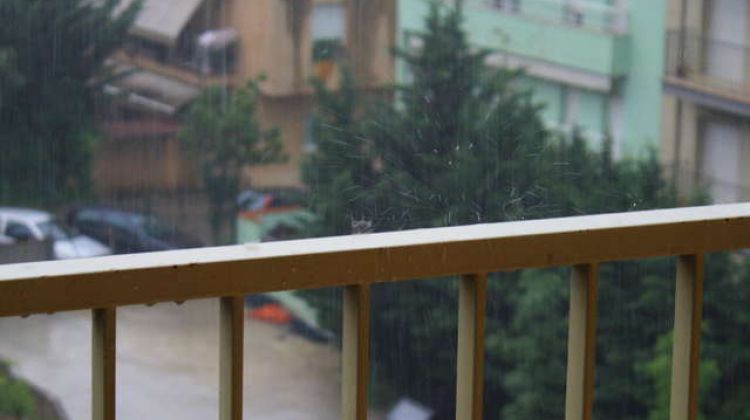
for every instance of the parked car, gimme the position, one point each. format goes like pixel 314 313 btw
pixel 128 232
pixel 22 225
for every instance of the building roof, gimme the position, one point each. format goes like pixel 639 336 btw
pixel 163 20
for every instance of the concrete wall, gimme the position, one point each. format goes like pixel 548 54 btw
pixel 680 127
pixel 289 115
pixel 134 164
pixel 679 151
pixel 276 41
pixel 371 32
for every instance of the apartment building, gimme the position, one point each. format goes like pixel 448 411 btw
pixel 178 47
pixel 707 97
pixel 594 64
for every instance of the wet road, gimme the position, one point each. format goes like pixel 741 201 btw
pixel 167 364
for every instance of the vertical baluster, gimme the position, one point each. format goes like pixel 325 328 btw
pixel 688 314
pixel 472 297
pixel 104 325
pixel 355 353
pixel 579 391
pixel 231 355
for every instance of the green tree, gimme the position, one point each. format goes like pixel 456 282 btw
pixel 462 144
pixel 52 53
pixel 725 386
pixel 222 133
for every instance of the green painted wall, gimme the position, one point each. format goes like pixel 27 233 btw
pixel 541 37
pixel 633 60
pixel 593 112
pixel 551 95
pixel 641 88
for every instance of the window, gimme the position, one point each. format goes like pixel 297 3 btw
pixel 721 154
pixel 507 5
pixel 328 31
pixel 571 108
pixel 216 51
pixel 574 13
pixel 328 21
pixel 18 231
pixel 308 135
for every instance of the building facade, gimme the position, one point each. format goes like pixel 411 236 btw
pixel 178 47
pixel 707 97
pixel 595 65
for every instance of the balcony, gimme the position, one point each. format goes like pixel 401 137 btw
pixel 584 14
pixel 356 263
pixel 708 72
pixel 208 59
pixel 157 78
pixel 580 43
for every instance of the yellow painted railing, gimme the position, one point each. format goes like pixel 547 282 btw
pixel 356 262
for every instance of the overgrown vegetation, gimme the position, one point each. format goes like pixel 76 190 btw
pixel 16 399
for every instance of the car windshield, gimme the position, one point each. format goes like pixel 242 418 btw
pixel 52 230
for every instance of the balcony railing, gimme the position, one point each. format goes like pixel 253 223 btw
pixel 357 262
pixel 580 13
pixel 708 63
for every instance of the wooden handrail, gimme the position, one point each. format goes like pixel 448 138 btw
pixel 356 262
pixel 362 259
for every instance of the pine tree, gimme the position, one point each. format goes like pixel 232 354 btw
pixel 462 145
pixel 343 165
pixel 52 53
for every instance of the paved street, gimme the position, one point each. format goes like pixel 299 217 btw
pixel 168 362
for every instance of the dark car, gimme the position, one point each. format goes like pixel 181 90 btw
pixel 127 232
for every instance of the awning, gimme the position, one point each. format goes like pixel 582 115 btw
pixel 153 91
pixel 163 20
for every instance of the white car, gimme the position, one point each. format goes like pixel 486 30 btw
pixel 20 225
